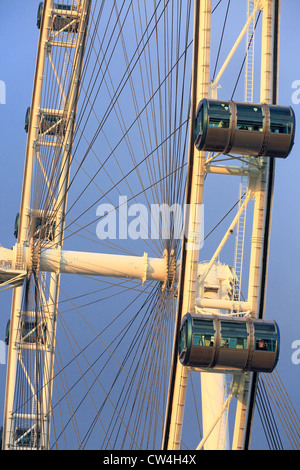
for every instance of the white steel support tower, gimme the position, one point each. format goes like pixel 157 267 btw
pixel 191 243
pixel 260 189
pixel 262 214
pixel 55 134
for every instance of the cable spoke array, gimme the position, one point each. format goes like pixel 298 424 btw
pixel 277 413
pixel 113 339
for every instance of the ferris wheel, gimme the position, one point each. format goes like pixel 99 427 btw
pixel 135 136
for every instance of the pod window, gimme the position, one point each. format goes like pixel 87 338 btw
pixel 219 114
pixel 281 122
pixel 203 332
pixel 249 118
pixel 234 335
pixel 265 337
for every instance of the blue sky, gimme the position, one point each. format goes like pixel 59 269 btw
pixel 18 45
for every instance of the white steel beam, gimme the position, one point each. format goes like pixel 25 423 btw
pixel 194 197
pixel 22 236
pixel 71 94
pixel 244 415
pixel 98 264
pixel 223 304
pixel 218 418
pixel 232 170
pixel 56 260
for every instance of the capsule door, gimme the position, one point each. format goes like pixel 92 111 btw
pixel 203 346
pixel 248 133
pixel 282 131
pixel 62 20
pixel 234 345
pixel 212 126
pixel 266 347
pixel 197 342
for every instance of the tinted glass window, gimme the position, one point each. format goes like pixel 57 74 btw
pixel 281 120
pixel 183 338
pixel 249 118
pixel 203 332
pixel 234 334
pixel 219 114
pixel 265 337
pixel 199 123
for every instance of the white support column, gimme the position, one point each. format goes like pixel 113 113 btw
pixel 255 294
pixel 260 190
pixel 34 140
pixel 191 244
pixel 25 205
pixel 70 94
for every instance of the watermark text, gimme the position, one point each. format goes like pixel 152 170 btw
pixel 296 93
pixel 2 353
pixel 158 221
pixel 296 353
pixel 2 92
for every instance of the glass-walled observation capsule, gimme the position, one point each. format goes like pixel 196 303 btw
pixel 244 128
pixel 51 122
pixel 63 18
pixel 7 333
pixel 17 224
pixel 27 119
pixel 213 342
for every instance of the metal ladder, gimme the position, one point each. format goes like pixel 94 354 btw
pixel 239 242
pixel 249 77
pixel 241 225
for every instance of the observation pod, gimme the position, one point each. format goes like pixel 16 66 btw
pixel 213 342
pixel 31 332
pixel 27 119
pixel 244 128
pixel 62 18
pixel 16 226
pixel 7 333
pixel 51 122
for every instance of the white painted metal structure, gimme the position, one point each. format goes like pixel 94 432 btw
pixel 39 419
pixel 257 190
pixel 194 280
